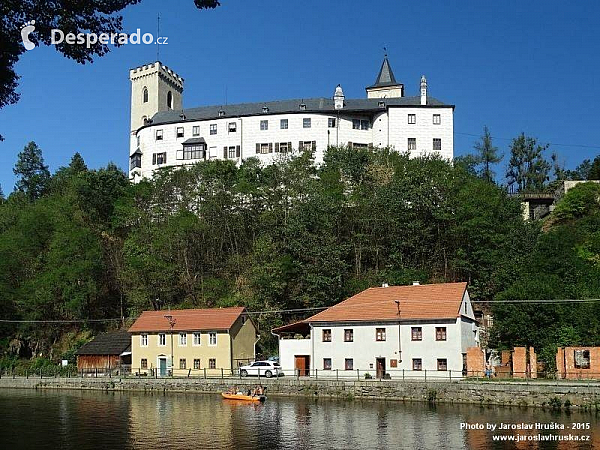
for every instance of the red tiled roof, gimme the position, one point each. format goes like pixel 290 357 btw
pixel 427 301
pixel 188 319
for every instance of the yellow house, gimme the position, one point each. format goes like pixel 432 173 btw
pixel 192 341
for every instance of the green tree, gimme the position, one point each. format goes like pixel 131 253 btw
pixel 487 155
pixel 527 168
pixel 33 175
pixel 594 171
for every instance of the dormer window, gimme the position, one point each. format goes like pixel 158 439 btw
pixel 265 109
pixel 302 106
pixel 221 113
pixel 381 104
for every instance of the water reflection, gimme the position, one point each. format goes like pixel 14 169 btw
pixel 80 420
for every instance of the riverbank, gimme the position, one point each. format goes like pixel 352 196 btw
pixel 557 395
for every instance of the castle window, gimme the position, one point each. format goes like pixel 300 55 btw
pixel 179 132
pixel 159 158
pixel 331 122
pixel 159 135
pixel 232 127
pixel 412 118
pixel 306 122
pixel 196 151
pixel 437 119
pixel 437 144
pixel 364 124
pixel 264 125
pixel 213 128
pixel 356 124
pixel 135 161
pixel 412 143
pixel 283 124
pixel 196 130
pixel 145 95
pixel 169 100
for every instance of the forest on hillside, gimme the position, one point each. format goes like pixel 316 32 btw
pixel 86 245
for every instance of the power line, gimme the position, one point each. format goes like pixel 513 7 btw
pixel 549 143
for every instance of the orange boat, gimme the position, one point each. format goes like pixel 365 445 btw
pixel 247 398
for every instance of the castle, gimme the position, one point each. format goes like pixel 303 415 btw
pixel 165 134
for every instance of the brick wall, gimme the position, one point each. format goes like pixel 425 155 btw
pixel 519 362
pixel 475 362
pixel 567 366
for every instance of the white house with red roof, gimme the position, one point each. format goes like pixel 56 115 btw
pixel 388 331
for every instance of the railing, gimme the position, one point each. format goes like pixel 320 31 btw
pixel 425 375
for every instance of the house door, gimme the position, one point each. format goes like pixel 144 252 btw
pixel 380 365
pixel 302 365
pixel 162 367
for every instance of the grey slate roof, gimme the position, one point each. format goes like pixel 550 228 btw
pixel 313 105
pixel 112 343
pixel 386 76
pixel 196 140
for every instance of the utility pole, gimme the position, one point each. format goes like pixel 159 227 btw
pixel 172 321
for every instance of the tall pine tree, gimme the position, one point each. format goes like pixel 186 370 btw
pixel 33 175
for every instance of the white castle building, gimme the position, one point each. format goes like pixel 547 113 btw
pixel 165 134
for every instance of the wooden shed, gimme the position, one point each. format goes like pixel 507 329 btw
pixel 107 352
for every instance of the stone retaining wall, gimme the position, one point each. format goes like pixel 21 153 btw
pixel 539 394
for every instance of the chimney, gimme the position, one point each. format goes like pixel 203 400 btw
pixel 416 283
pixel 423 90
pixel 384 285
pixel 338 97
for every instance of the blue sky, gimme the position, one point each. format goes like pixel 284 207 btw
pixel 512 65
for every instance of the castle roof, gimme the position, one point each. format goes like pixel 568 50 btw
pixel 368 106
pixel 386 76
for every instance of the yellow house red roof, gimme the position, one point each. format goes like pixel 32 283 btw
pixel 188 319
pixel 427 301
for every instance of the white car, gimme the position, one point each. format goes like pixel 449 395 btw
pixel 266 369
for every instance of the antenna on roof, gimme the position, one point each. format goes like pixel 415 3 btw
pixel 397 302
pixel 157 36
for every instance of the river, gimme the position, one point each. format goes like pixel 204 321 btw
pixel 35 419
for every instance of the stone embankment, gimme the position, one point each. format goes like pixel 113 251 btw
pixel 556 395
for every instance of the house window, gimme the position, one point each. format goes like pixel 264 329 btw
pixel 582 359
pixel 196 364
pixel 348 335
pixel 144 340
pixel 182 339
pixel 143 363
pixel 136 161
pixel 307 146
pixel 212 338
pixel 195 130
pixel 264 125
pixel 356 124
pixel 263 148
pixel 416 334
pixel 197 339
pixel 212 363
pixel 331 122
pixel 306 122
pixel 232 127
pixel 179 132
pixel 182 363
pixel 145 95
pixel 162 339
pixel 417 364
pixel 412 143
pixel 213 128
pixel 437 144
pixel 412 119
pixel 283 124
pixel 327 335
pixel 442 364
pixel 440 333
pixel 364 124
pixel 437 119
pixel 326 363
pixel 349 364
pixel 159 158
pixel 380 334
pixel 232 153
pixel 158 135
pixel 194 151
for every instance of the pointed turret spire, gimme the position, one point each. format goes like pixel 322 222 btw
pixel 385 85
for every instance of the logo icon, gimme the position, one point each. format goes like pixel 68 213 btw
pixel 25 31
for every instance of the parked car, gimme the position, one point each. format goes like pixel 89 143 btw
pixel 261 368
